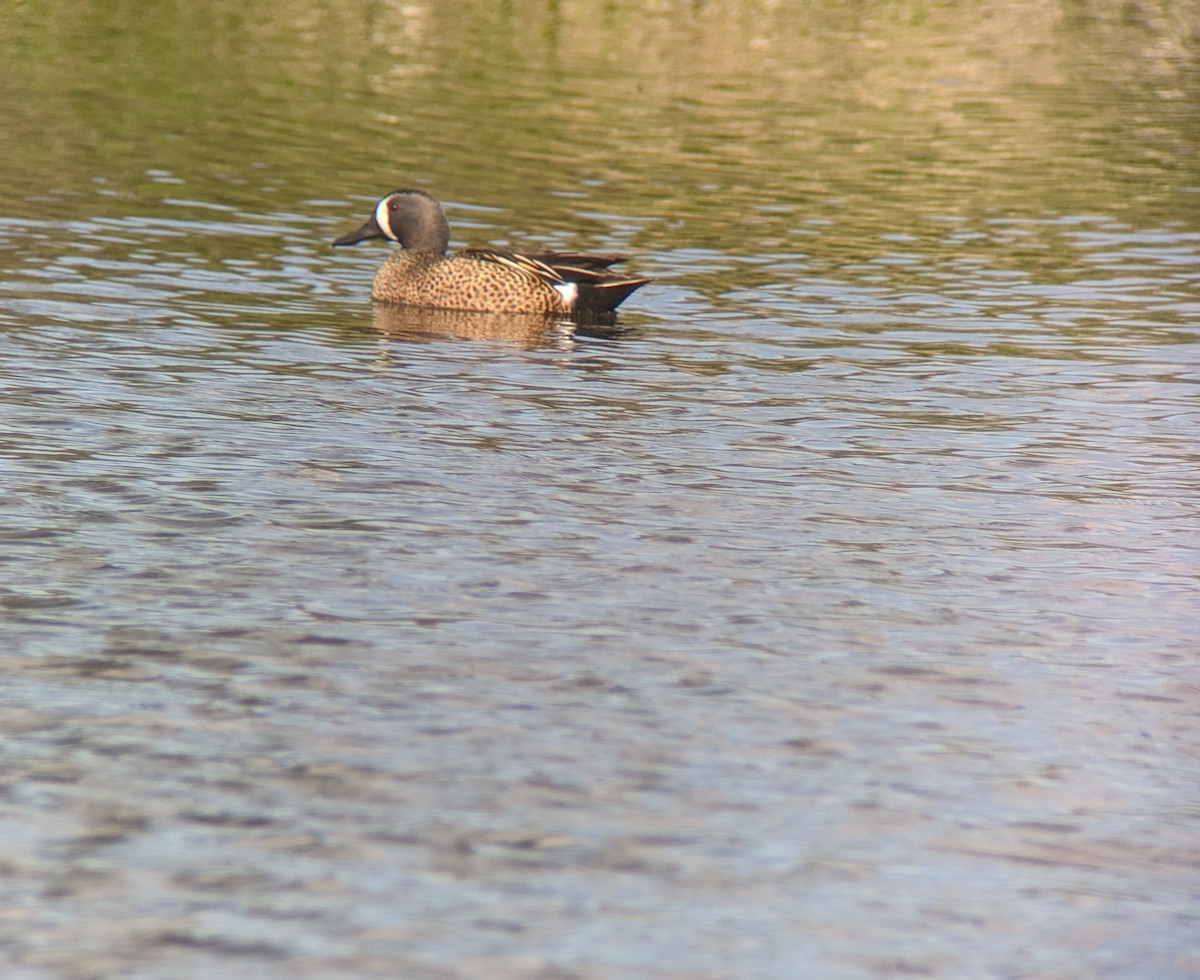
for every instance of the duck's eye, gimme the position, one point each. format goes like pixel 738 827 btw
pixel 393 206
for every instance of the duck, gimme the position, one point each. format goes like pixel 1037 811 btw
pixel 421 272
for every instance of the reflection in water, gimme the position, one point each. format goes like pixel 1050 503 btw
pixel 833 617
pixel 696 124
pixel 523 330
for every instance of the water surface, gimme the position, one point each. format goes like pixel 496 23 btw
pixel 831 615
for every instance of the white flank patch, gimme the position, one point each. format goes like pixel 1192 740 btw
pixel 381 219
pixel 569 291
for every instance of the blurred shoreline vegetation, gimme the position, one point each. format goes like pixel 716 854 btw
pixel 653 109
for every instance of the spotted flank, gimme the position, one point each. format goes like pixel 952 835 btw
pixel 421 273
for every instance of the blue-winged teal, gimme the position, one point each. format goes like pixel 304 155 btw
pixel 420 273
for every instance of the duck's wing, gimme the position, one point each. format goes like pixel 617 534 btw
pixel 527 265
pixel 578 260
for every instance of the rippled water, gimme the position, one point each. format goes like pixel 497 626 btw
pixel 833 614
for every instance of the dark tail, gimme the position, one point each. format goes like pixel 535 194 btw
pixel 604 297
pixel 600 292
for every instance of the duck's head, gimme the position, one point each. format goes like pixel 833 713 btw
pixel 411 218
